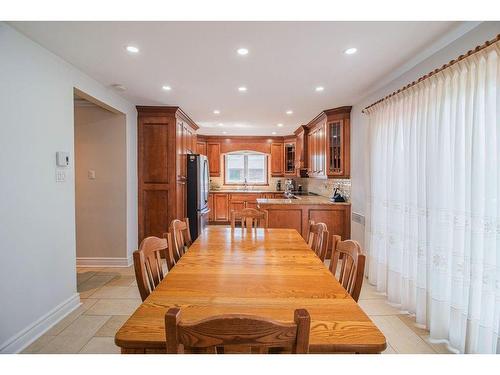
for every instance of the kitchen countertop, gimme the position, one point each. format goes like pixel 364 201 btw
pixel 256 191
pixel 301 200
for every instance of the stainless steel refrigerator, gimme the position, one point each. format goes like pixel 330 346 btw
pixel 198 178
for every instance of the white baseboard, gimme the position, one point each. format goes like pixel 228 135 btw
pixel 24 338
pixel 104 262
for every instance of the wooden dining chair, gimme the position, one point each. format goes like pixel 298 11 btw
pixel 181 237
pixel 317 239
pixel 148 263
pixel 249 218
pixel 208 335
pixel 351 259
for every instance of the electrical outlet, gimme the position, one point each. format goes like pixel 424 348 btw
pixel 91 174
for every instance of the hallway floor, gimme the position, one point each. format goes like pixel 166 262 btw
pixel 110 295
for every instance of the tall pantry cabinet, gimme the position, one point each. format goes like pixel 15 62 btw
pixel 165 136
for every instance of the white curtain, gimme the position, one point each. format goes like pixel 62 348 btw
pixel 433 226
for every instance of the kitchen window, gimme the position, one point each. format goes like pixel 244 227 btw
pixel 245 167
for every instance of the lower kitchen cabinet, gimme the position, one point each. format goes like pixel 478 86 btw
pixel 221 211
pixel 221 204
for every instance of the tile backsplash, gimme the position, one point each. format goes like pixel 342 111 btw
pixel 326 187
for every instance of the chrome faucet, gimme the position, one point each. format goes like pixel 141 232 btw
pixel 245 184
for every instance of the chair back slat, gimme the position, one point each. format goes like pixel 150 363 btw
pixel 317 239
pixel 148 265
pixel 351 259
pixel 249 218
pixel 181 237
pixel 236 330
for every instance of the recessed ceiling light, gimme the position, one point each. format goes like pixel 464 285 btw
pixel 221 124
pixel 273 133
pixel 350 51
pixel 216 111
pixel 289 112
pixel 132 49
pixel 166 88
pixel 319 88
pixel 224 132
pixel 242 51
pixel 279 125
pixel 242 89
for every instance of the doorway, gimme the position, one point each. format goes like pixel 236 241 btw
pixel 100 189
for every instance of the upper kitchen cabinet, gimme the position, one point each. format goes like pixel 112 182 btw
pixel 165 135
pixel 213 155
pixel 201 147
pixel 328 143
pixel 290 158
pixel 317 150
pixel 277 160
pixel 301 151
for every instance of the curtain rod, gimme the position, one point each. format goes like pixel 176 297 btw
pixel 435 71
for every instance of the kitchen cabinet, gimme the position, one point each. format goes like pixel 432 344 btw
pixel 165 135
pixel 213 155
pixel 201 148
pixel 223 203
pixel 317 150
pixel 301 151
pixel 211 207
pixel 290 164
pixel 336 216
pixel 277 160
pixel 328 144
pixel 221 207
pixel 338 150
pixel 239 201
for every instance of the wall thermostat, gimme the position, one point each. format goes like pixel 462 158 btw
pixel 62 159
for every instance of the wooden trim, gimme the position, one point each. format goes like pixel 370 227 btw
pixel 218 138
pixel 22 339
pixel 300 129
pixel 328 113
pixel 150 111
pixel 83 95
pixel 437 70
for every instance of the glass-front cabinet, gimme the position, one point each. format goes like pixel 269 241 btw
pixel 290 158
pixel 335 148
pixel 329 144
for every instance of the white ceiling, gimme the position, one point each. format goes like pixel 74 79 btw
pixel 287 60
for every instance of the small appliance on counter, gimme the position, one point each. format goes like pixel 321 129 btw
pixel 278 185
pixel 288 188
pixel 337 197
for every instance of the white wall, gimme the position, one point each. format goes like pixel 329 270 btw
pixel 37 215
pixel 101 202
pixel 359 122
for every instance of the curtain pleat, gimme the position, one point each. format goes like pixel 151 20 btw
pixel 433 202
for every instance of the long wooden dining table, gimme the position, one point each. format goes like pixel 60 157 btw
pixel 264 272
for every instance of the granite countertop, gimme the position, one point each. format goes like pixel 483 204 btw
pixel 255 191
pixel 308 199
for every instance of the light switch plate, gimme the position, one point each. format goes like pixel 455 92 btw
pixel 91 174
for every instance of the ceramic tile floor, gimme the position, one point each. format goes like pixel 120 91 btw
pixel 110 295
